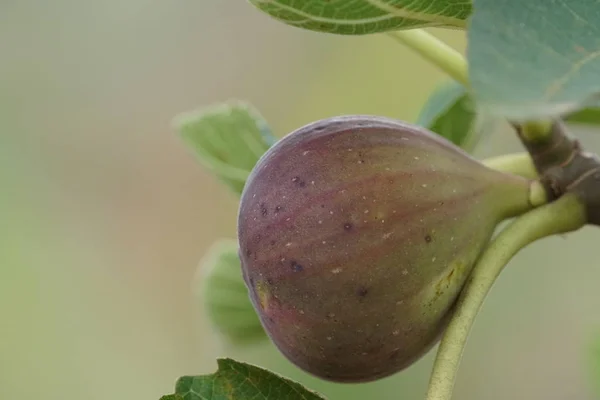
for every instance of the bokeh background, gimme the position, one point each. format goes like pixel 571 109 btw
pixel 104 214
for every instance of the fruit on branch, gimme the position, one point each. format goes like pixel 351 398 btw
pixel 356 235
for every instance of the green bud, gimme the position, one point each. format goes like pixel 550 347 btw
pixel 224 294
pixel 228 139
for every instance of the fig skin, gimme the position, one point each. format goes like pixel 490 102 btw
pixel 356 235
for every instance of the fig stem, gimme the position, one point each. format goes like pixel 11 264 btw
pixel 567 214
pixel 435 51
pixel 522 165
pixel 518 164
pixel 537 194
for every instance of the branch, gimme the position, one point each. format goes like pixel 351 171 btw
pixel 563 165
pixel 564 215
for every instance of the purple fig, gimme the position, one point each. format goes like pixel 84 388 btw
pixel 356 236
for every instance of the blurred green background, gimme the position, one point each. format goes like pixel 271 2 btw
pixel 104 214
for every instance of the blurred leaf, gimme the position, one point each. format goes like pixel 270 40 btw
pixel 595 365
pixel 235 380
pixel 449 112
pixel 172 397
pixel 228 139
pixel 224 294
pixel 534 59
pixel 361 17
pixel 589 116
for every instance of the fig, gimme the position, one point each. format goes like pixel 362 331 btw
pixel 356 235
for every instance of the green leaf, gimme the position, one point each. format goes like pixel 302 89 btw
pixel 590 116
pixel 595 365
pixel 228 139
pixel 235 380
pixel 361 17
pixel 449 112
pixel 172 397
pixel 534 59
pixel 224 295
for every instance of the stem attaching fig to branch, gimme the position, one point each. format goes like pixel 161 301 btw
pixel 565 215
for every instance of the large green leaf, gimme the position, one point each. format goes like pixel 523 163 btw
pixel 235 380
pixel 449 112
pixel 536 58
pixel 360 17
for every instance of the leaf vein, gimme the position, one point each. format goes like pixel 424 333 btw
pixel 560 83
